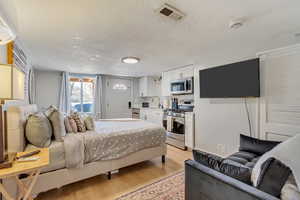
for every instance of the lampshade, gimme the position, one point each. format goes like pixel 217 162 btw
pixel 6 34
pixel 12 83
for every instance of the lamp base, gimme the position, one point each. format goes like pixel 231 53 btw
pixel 8 162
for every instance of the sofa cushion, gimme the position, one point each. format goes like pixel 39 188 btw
pixel 207 159
pixel 244 158
pixel 256 146
pixel 239 172
pixel 225 166
pixel 273 176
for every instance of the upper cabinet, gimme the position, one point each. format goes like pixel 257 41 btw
pixel 172 75
pixel 149 86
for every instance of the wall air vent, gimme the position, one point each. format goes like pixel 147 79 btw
pixel 172 12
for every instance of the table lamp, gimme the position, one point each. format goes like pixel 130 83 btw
pixel 12 84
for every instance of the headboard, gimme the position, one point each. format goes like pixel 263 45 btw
pixel 16 120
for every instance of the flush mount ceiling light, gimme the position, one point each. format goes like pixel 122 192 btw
pixel 130 60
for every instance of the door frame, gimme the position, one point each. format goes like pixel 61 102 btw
pixel 269 130
pixel 106 78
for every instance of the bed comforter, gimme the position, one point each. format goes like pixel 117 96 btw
pixel 111 140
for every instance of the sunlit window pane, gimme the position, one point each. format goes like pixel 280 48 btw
pixel 82 93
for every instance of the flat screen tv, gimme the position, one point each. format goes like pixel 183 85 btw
pixel 231 81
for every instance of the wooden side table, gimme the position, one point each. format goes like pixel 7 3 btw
pixel 32 168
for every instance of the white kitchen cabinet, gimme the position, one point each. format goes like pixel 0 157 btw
pixel 172 75
pixel 190 130
pixel 149 86
pixel 152 115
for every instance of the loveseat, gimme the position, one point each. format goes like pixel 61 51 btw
pixel 204 182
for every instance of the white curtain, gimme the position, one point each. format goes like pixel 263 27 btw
pixel 98 98
pixel 31 87
pixel 64 96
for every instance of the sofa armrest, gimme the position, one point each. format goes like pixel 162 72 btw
pixel 204 183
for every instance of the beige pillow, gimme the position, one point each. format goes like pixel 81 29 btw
pixel 68 125
pixel 79 122
pixel 38 130
pixel 73 125
pixel 89 123
pixel 57 120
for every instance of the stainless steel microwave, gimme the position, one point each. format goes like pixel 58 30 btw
pixel 183 86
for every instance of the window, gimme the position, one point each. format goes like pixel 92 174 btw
pixel 82 94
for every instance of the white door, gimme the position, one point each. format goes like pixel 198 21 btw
pixel 118 94
pixel 280 102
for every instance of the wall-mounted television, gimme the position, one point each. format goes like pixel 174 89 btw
pixel 231 81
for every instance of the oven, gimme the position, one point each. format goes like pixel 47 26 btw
pixel 184 86
pixel 174 123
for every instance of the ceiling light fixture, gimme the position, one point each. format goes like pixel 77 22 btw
pixel 130 60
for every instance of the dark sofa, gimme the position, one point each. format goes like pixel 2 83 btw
pixel 204 183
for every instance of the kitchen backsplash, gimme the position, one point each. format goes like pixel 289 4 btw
pixel 155 102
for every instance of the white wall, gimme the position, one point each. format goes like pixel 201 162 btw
pixel 47 88
pixel 221 121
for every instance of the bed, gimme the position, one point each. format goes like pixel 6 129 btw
pixel 113 145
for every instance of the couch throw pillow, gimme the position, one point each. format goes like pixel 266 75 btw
pixel 255 145
pixel 38 130
pixel 273 176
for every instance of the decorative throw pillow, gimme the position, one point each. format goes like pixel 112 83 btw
pixel 273 176
pixel 255 145
pixel 236 170
pixel 38 130
pixel 68 125
pixel 73 125
pixel 227 167
pixel 57 121
pixel 89 123
pixel 207 159
pixel 79 122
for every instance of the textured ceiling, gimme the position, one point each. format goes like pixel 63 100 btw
pixel 91 36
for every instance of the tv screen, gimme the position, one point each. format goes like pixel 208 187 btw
pixel 234 80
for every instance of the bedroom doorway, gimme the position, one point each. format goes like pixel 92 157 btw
pixel 118 97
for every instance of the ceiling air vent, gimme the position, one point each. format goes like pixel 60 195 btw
pixel 172 12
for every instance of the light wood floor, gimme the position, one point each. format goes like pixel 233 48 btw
pixel 126 180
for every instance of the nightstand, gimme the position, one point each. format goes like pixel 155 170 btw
pixel 32 168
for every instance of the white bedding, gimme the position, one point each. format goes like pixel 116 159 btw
pixel 112 140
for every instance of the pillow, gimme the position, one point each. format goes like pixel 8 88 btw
pixel 255 145
pixel 38 130
pixel 57 120
pixel 68 125
pixel 73 125
pixel 236 170
pixel 290 190
pixel 207 159
pixel 224 166
pixel 273 176
pixel 89 123
pixel 79 122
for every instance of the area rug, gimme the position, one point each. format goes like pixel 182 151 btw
pixel 168 188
